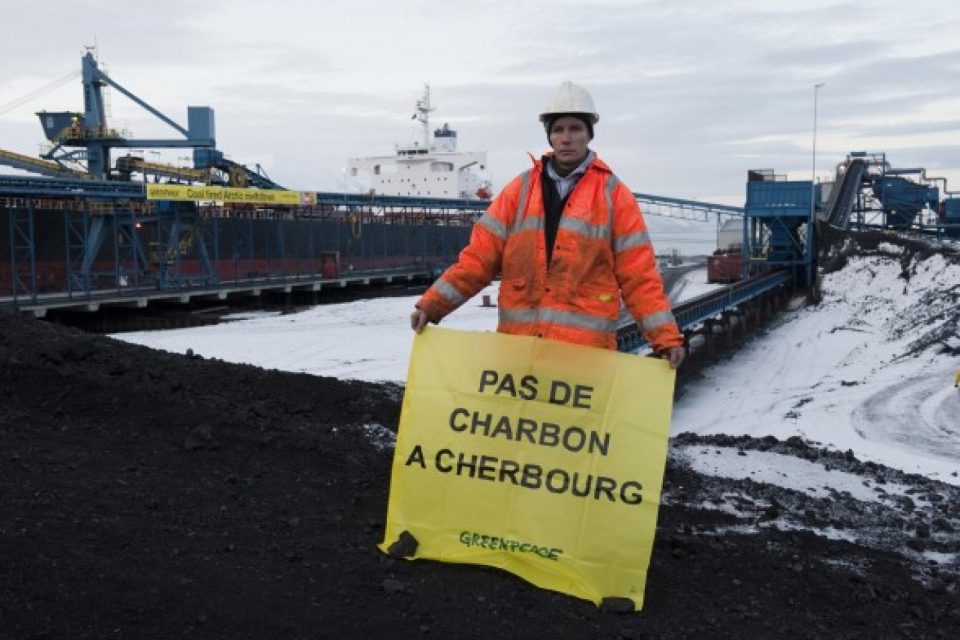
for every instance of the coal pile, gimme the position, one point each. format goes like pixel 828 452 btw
pixel 154 495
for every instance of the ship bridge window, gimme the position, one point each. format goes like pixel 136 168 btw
pixel 441 167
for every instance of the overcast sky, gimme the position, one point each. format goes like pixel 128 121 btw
pixel 691 94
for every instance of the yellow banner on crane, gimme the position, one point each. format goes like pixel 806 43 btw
pixel 542 458
pixel 185 192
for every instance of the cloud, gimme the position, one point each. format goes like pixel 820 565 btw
pixel 691 94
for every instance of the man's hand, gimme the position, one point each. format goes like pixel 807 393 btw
pixel 418 320
pixel 674 355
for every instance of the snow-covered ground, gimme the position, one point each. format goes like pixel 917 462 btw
pixel 842 374
pixel 363 340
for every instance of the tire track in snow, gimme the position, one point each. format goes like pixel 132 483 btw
pixel 921 413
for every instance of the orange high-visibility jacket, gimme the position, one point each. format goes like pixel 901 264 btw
pixel 602 251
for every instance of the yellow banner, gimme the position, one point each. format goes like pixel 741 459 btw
pixel 227 194
pixel 538 457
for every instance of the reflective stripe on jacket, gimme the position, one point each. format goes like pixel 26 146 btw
pixel 602 251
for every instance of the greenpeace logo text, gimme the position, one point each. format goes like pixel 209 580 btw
pixel 494 543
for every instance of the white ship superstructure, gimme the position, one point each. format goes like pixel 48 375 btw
pixel 431 167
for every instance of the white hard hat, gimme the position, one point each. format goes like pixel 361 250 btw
pixel 570 98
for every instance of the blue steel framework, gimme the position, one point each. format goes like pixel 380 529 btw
pixel 137 247
pixel 32 187
pixel 692 313
pixel 22 251
pixel 778 230
pixel 93 136
pixel 870 194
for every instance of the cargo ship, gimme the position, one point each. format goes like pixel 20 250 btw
pixel 430 167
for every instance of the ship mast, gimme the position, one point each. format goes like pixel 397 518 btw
pixel 423 114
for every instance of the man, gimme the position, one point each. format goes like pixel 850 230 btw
pixel 568 240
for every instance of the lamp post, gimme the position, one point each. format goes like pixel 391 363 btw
pixel 813 166
pixel 810 274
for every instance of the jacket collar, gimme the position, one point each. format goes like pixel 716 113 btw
pixel 596 164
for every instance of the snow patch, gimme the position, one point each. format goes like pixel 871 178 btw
pixel 785 471
pixel 380 437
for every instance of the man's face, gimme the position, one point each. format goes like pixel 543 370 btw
pixel 569 138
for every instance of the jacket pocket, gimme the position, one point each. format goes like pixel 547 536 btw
pixel 516 284
pixel 601 301
pixel 513 292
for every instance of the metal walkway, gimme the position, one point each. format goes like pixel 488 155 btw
pixel 695 311
pixel 96 300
